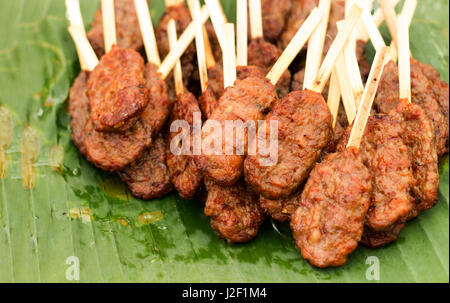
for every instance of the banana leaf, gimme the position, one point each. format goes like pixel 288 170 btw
pixel 77 215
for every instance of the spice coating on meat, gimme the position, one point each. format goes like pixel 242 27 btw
pixel 384 153
pixel 387 99
pixel 329 221
pixel 181 15
pixel 247 100
pixel 274 17
pixel 185 175
pixel 79 110
pixel 209 100
pixel 440 87
pixel 148 176
pixel 127 28
pixel 280 210
pixel 375 239
pixel 116 90
pixel 304 129
pixel 418 135
pixel 300 10
pixel 263 55
pixel 113 151
pixel 159 106
pixel 234 212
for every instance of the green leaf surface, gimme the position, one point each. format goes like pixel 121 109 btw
pixel 77 210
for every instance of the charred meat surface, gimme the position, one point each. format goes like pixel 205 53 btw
pixel 148 176
pixel 418 135
pixel 186 176
pixel 263 55
pixel 440 87
pixel 209 100
pixel 234 211
pixel 329 222
pixel 79 111
pixel 113 151
pixel 304 129
pixel 116 90
pixel 280 210
pixel 127 28
pixel 387 99
pixel 387 157
pixel 274 18
pixel 375 239
pixel 248 100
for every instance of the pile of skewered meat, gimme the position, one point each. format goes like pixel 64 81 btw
pixel 346 173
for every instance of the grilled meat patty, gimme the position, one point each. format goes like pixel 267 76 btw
pixel 328 224
pixel 184 172
pixel 116 90
pixel 304 129
pixel 148 176
pixel 234 211
pixel 247 100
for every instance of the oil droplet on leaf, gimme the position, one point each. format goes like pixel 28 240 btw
pixel 150 217
pixel 30 148
pixel 122 221
pixel 83 213
pixel 57 157
pixel 114 187
pixel 6 136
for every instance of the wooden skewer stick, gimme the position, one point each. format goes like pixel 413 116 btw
pixel 177 73
pixel 408 10
pixel 256 25
pixel 88 58
pixel 294 46
pixel 217 18
pixel 148 34
pixel 404 69
pixel 368 96
pixel 343 77
pixel 199 43
pixel 73 14
pixel 378 18
pixel 210 60
pixel 172 3
pixel 372 30
pixel 183 42
pixel 336 47
pixel 229 55
pixel 353 72
pixel 334 96
pixel 315 45
pixel 109 24
pixel 241 32
pixel 391 19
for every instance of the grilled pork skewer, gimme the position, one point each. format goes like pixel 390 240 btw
pixel 423 93
pixel 329 222
pixel 148 176
pixel 185 174
pixel 304 129
pixel 261 53
pixel 234 211
pixel 116 86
